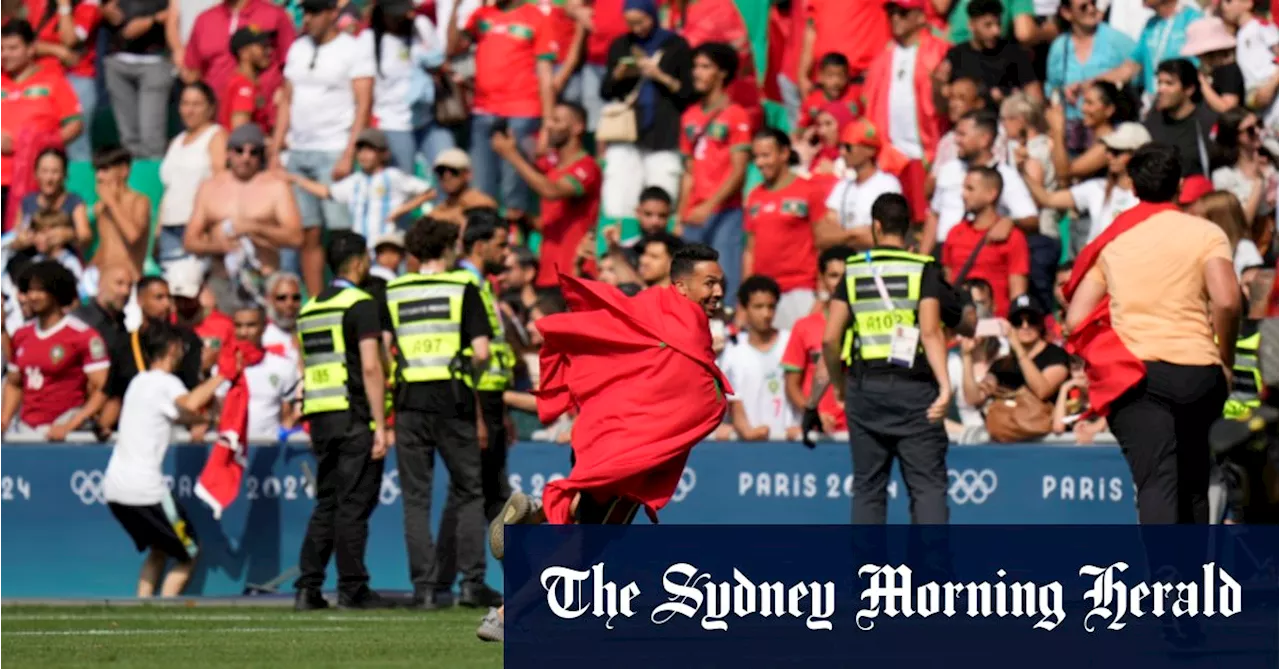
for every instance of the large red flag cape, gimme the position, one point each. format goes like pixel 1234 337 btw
pixel 219 483
pixel 642 376
pixel 1112 369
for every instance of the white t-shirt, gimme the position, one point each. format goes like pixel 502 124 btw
pixel 323 106
pixel 851 201
pixel 372 197
pixel 276 340
pixel 948 201
pixel 904 121
pixel 392 85
pixel 1091 197
pixel 757 380
pixel 970 415
pixel 1246 256
pixel 135 475
pixel 1256 51
pixel 272 382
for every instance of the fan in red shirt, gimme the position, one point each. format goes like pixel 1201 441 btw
pixel 1000 258
pixel 858 29
pixel 59 365
pixel 805 375
pixel 79 56
pixel 834 85
pixel 515 48
pixel 244 100
pixel 38 107
pixel 569 185
pixel 710 21
pixel 207 56
pixel 779 220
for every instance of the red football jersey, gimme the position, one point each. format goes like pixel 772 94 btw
pixel 53 365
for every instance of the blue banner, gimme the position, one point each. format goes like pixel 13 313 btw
pixel 814 596
pixel 54 514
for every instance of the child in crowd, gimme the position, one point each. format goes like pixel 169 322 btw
pixel 51 228
pixel 242 101
pixel 379 197
pixel 388 255
pixel 1073 403
pixel 834 85
pixel 759 407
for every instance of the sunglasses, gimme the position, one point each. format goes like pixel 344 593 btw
pixel 247 150
pixel 1115 152
pixel 1086 6
pixel 288 297
pixel 1251 130
pixel 1026 323
pixel 447 171
pixel 895 10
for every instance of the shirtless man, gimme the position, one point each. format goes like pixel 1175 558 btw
pixel 453 172
pixel 243 216
pixel 123 217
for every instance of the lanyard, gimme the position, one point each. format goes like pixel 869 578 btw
pixel 1158 56
pixel 879 281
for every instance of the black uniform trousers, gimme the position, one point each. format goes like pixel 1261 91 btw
pixel 493 485
pixel 1162 425
pixel 886 416
pixel 348 480
pixel 419 435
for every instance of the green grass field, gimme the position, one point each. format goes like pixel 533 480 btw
pixel 173 637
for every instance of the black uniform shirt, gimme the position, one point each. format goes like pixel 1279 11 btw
pixel 124 365
pixel 933 286
pixel 359 323
pixel 451 398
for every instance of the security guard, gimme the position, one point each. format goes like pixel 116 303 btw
pixel 1246 378
pixel 898 391
pixel 484 248
pixel 442 336
pixel 343 390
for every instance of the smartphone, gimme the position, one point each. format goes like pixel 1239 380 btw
pixel 988 327
pixel 499 126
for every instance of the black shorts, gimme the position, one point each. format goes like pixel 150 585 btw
pixel 164 527
pixel 612 511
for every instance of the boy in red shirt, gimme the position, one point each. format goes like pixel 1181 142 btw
pixel 244 99
pixel 804 373
pixel 780 215
pixel 857 29
pixel 715 139
pixel 515 53
pixel 1003 259
pixel 569 185
pixel 834 85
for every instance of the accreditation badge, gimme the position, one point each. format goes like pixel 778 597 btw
pixel 903 345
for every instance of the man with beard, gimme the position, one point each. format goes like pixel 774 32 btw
pixel 128 356
pixel 284 300
pixel 243 217
pixel 569 185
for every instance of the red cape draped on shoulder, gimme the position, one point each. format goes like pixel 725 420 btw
pixel 642 375
pixel 1112 369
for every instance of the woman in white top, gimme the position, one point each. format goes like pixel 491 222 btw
pixel 1224 208
pixel 406 49
pixel 193 156
pixel 1244 170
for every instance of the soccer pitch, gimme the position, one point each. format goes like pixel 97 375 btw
pixel 195 637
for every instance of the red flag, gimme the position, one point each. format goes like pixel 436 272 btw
pixel 641 374
pixel 219 483
pixel 1112 369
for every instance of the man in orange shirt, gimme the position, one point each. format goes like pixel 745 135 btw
pixel 38 107
pixel 515 53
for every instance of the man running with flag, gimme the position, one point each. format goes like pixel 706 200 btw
pixel 641 374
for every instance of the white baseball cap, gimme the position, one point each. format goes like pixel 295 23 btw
pixel 185 277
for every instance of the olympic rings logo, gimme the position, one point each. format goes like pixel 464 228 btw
pixel 969 486
pixel 688 480
pixel 88 487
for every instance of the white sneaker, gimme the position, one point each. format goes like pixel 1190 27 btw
pixel 491 628
pixel 517 510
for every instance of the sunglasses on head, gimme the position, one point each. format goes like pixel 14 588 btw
pixel 288 297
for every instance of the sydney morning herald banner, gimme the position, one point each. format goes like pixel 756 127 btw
pixel 896 597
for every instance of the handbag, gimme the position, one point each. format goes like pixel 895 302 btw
pixel 1018 416
pixel 618 123
pixel 449 106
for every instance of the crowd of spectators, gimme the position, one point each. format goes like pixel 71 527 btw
pixel 605 134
